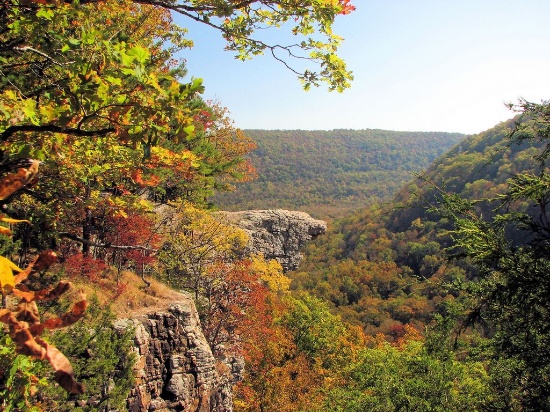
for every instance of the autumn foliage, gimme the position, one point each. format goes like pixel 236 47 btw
pixel 24 322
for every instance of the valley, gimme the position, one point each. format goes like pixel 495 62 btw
pixel 154 256
pixel 329 173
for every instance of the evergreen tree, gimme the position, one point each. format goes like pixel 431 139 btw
pixel 511 254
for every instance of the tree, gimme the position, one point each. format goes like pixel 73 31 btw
pixel 233 291
pixel 217 149
pixel 89 102
pixel 407 377
pixel 20 313
pixel 240 21
pixel 102 359
pixel 101 68
pixel 320 335
pixel 279 374
pixel 510 253
pixel 108 117
pixel 76 71
pixel 195 242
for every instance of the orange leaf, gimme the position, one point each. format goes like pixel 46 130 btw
pixel 10 220
pixel 4 315
pixel 27 345
pixel 54 293
pixel 27 295
pixel 45 260
pixel 5 231
pixel 64 374
pixel 24 295
pixel 15 181
pixel 67 319
pixel 24 274
pixel 27 312
pixel 42 262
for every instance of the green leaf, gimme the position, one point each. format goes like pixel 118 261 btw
pixel 127 60
pixel 45 13
pixel 139 53
pixel 114 80
pixel 73 42
pixel 189 131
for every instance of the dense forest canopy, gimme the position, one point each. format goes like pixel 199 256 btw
pixel 461 247
pixel 109 158
pixel 328 173
pixel 397 243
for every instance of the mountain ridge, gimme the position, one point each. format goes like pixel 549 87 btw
pixel 327 173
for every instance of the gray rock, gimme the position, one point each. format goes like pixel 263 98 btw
pixel 175 368
pixel 277 234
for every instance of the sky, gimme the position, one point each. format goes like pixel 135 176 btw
pixel 418 65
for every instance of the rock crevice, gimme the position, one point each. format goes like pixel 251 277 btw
pixel 175 368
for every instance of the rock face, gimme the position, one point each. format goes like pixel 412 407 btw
pixel 278 234
pixel 175 368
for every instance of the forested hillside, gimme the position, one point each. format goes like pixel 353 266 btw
pixel 380 266
pixel 327 173
pixel 460 253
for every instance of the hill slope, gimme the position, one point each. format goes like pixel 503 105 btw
pixel 385 266
pixel 326 173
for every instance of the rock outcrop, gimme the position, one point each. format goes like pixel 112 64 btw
pixel 175 368
pixel 278 234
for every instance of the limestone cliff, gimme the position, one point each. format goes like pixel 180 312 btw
pixel 175 368
pixel 278 234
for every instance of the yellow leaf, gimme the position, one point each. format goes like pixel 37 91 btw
pixel 49 112
pixel 122 213
pixel 5 231
pixel 10 220
pixel 146 204
pixel 153 81
pixel 7 281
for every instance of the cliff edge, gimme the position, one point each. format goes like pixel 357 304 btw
pixel 175 368
pixel 277 234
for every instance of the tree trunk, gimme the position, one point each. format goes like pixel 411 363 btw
pixel 87 226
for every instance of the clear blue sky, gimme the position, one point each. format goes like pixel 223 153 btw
pixel 419 65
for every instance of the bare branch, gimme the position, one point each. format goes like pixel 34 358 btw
pixel 29 48
pixel 67 235
pixel 6 134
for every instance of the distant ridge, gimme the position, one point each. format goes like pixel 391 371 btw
pixel 327 173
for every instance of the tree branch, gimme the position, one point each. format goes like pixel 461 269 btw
pixel 41 53
pixel 6 134
pixel 67 235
